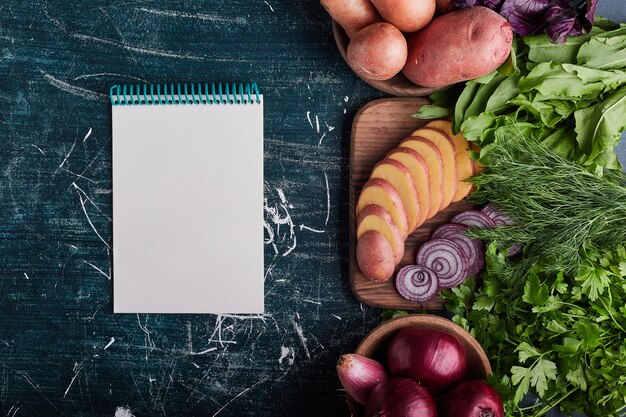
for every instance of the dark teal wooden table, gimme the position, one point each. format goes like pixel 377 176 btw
pixel 62 351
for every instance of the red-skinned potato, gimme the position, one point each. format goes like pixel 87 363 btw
pixel 406 15
pixel 352 15
pixel 377 52
pixel 375 256
pixel 458 46
pixel 445 6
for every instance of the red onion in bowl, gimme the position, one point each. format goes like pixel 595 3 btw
pixel 417 283
pixel 446 258
pixel 400 397
pixel 359 375
pixel 473 249
pixel 472 399
pixel 474 218
pixel 434 358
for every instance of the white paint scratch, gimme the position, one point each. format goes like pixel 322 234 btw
pixel 308 117
pixel 77 369
pixel 321 139
pixel 87 135
pixel 72 89
pixel 199 16
pixel 123 412
pixel 310 229
pixel 336 316
pixel 68 154
pixel 38 148
pixel 278 216
pixel 80 190
pixel 330 128
pixel 13 410
pixel 82 205
pixel 98 269
pixel 26 275
pixel 317 124
pixel 346 98
pixel 312 302
pixel 140 50
pixel 108 345
pixel 204 351
pixel 237 396
pixel 110 74
pixel 303 340
pixel 269 5
pixel 327 200
pixel 287 353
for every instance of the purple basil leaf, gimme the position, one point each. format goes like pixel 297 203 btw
pixel 525 16
pixel 589 17
pixel 492 4
pixel 560 27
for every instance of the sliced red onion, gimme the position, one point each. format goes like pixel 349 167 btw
pixel 446 258
pixel 473 249
pixel 500 219
pixel 490 209
pixel 514 250
pixel 474 218
pixel 497 215
pixel 417 283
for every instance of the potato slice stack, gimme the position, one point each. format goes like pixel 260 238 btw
pixel 415 181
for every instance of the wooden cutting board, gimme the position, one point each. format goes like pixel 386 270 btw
pixel 378 128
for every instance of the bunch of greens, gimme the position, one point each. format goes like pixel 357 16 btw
pixel 560 210
pixel 561 337
pixel 571 96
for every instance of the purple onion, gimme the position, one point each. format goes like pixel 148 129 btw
pixel 496 214
pixel 400 397
pixel 417 283
pixel 473 249
pixel 474 218
pixel 446 258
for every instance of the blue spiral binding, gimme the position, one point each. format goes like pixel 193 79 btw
pixel 182 94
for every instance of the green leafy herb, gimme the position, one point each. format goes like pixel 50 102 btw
pixel 560 210
pixel 561 337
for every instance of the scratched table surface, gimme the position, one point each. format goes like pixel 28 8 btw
pixel 62 351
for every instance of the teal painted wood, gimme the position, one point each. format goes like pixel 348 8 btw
pixel 62 351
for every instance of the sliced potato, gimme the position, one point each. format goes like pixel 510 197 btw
pixel 375 218
pixel 416 165
pixel 380 192
pixel 448 157
pixel 400 178
pixel 464 164
pixel 433 159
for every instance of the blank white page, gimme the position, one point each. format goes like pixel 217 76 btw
pixel 188 208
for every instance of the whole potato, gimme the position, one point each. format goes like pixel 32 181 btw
pixel 377 52
pixel 406 15
pixel 445 6
pixel 458 46
pixel 352 15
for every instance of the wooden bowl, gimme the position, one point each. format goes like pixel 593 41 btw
pixel 397 86
pixel 375 345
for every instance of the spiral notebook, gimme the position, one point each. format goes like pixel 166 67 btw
pixel 187 198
